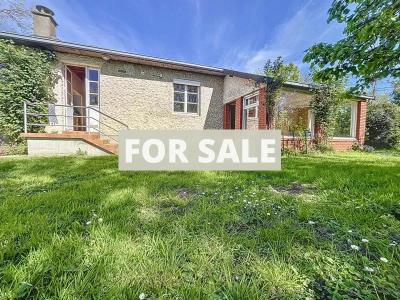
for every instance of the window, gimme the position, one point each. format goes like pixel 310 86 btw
pixel 250 112
pixel 69 86
pixel 93 81
pixel 186 97
pixel 344 125
pixel 293 121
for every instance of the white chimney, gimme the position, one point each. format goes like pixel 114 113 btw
pixel 44 24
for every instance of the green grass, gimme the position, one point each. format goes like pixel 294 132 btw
pixel 188 235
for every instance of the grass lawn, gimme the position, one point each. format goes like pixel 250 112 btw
pixel 77 228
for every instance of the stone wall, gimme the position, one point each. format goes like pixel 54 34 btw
pixel 142 96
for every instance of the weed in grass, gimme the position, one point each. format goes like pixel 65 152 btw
pixel 77 228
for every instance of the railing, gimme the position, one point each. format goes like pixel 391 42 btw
pixel 40 115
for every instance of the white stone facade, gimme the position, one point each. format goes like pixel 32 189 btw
pixel 142 96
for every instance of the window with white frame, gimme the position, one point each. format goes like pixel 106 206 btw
pixel 345 121
pixel 250 112
pixel 186 97
pixel 93 81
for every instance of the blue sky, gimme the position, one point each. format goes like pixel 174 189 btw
pixel 233 34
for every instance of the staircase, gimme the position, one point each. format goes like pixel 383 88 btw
pixel 38 116
pixel 92 138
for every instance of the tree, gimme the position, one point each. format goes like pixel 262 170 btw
pixel 14 16
pixel 276 73
pixel 278 68
pixel 26 74
pixel 383 123
pixel 396 93
pixel 370 47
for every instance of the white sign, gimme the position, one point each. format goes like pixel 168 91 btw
pixel 200 150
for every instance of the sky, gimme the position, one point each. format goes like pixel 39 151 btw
pixel 233 34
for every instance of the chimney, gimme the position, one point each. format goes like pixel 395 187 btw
pixel 44 24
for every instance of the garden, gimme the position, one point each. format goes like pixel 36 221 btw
pixel 327 226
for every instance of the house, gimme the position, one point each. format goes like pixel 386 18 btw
pixel 102 91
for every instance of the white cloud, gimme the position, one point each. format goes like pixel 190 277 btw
pixel 291 38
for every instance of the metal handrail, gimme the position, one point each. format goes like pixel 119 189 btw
pixel 78 106
pixel 87 126
pixel 75 116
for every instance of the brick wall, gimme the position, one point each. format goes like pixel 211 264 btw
pixel 227 116
pixel 361 121
pixel 262 109
pixel 238 113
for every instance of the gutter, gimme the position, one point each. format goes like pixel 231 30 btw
pixel 60 46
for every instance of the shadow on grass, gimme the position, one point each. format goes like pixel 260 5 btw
pixel 219 239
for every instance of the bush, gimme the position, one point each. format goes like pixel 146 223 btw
pixel 13 148
pixel 383 124
pixel 26 74
pixel 358 147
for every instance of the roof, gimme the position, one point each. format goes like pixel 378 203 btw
pixel 73 48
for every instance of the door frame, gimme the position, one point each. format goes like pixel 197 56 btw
pixel 87 98
pixel 87 93
pixel 67 127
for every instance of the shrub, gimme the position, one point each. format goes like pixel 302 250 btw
pixel 358 147
pixel 383 124
pixel 13 148
pixel 26 74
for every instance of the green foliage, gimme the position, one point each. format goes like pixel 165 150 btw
pixel 13 148
pixel 26 74
pixel 78 228
pixel 396 93
pixel 326 103
pixel 292 120
pixel 277 73
pixel 383 124
pixel 277 68
pixel 370 48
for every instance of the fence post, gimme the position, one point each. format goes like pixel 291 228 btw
pixel 25 118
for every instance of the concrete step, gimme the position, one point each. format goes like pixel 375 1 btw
pixel 92 138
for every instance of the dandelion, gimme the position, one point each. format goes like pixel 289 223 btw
pixel 364 241
pixel 369 270
pixel 100 220
pixel 88 222
pixel 142 296
pixel 311 222
pixel 355 247
pixel 384 260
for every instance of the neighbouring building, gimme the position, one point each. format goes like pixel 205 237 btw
pixel 102 91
